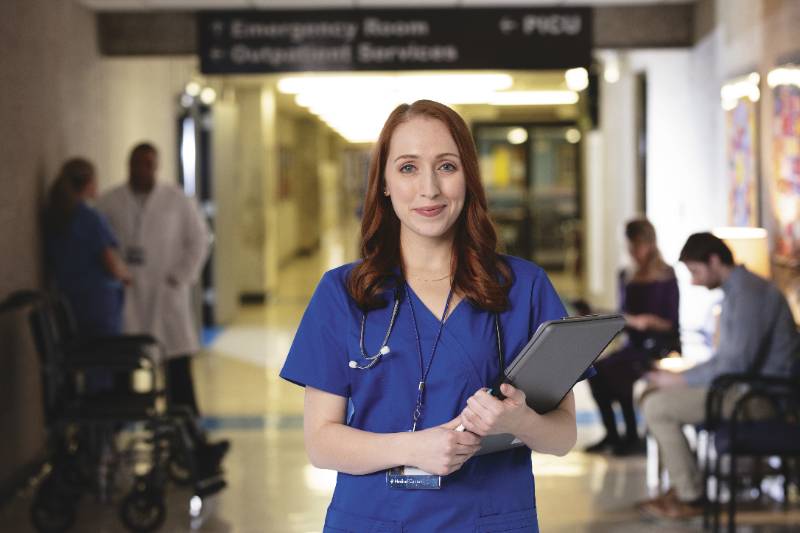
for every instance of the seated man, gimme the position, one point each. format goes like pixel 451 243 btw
pixel 757 332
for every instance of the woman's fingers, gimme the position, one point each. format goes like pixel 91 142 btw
pixel 453 424
pixel 474 423
pixel 467 438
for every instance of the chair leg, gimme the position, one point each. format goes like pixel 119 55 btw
pixel 715 505
pixel 787 473
pixel 706 470
pixel 733 489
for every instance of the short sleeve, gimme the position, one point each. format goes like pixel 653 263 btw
pixel 547 305
pixel 545 302
pixel 107 237
pixel 318 355
pixel 101 234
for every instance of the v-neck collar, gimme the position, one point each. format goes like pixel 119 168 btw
pixel 428 312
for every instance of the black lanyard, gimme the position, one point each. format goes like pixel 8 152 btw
pixel 423 371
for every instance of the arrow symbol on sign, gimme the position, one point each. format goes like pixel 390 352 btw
pixel 508 25
pixel 217 54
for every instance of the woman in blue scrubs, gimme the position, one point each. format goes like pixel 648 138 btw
pixel 82 260
pixel 81 252
pixel 396 351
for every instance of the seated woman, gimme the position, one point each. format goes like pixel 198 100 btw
pixel 649 299
pixel 81 257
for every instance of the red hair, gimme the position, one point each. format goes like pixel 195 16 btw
pixel 479 272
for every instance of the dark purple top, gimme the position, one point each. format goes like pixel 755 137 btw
pixel 660 298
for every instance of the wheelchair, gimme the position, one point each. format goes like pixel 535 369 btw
pixel 85 427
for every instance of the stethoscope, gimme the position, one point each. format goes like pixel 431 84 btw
pixel 372 360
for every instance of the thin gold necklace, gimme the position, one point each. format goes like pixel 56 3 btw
pixel 430 280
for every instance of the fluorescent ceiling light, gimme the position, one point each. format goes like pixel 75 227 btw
pixel 533 98
pixel 517 135
pixel 413 82
pixel 577 79
pixel 356 106
pixel 611 71
pixel 573 135
pixel 744 87
pixel 208 95
pixel 787 75
pixel 193 89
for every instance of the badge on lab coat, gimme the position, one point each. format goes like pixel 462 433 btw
pixel 134 255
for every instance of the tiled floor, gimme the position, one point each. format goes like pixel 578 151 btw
pixel 274 489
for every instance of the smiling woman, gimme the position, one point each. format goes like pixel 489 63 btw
pixel 424 179
pixel 441 146
pixel 387 386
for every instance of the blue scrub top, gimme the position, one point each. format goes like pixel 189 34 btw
pixel 75 260
pixel 493 492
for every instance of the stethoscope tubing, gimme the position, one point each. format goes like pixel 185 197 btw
pixel 372 360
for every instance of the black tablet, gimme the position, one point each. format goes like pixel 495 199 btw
pixel 551 363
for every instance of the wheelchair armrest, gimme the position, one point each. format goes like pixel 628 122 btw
pixel 121 351
pixel 114 361
pixel 112 342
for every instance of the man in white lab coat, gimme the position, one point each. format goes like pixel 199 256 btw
pixel 164 240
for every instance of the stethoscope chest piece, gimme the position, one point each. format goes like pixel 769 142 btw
pixel 372 360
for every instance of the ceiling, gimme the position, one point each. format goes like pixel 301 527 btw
pixel 137 5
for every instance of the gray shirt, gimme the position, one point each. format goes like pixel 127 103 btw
pixel 755 318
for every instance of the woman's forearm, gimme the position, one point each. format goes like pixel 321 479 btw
pixel 554 433
pixel 660 324
pixel 335 446
pixel 115 266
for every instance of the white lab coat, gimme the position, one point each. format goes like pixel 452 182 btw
pixel 175 239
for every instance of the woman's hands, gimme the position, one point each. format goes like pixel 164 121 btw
pixel 648 321
pixel 442 450
pixel 116 266
pixel 486 415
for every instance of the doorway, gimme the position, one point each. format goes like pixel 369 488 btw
pixel 531 173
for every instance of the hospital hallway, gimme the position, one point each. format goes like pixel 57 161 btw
pixel 272 486
pixel 178 175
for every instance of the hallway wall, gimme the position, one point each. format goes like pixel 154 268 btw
pixel 60 98
pixel 687 177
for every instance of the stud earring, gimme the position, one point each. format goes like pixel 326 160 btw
pixel 385 192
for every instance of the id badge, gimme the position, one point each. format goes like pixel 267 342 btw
pixel 410 478
pixel 134 255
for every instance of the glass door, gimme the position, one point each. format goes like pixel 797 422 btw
pixel 532 180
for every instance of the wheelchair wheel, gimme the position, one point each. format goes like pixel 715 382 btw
pixel 143 510
pixel 52 515
pixel 178 470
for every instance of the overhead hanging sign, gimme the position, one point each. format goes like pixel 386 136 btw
pixel 260 41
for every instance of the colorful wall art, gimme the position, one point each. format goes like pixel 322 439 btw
pixel 785 184
pixel 742 165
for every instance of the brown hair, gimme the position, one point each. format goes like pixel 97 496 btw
pixel 479 272
pixel 700 247
pixel 642 230
pixel 65 193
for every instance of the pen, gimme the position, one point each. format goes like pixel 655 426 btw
pixel 461 426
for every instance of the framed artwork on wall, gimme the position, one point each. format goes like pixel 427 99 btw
pixel 785 163
pixel 740 101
